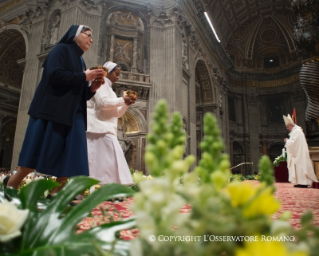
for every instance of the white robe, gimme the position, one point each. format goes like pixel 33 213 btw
pixel 106 159
pixel 107 162
pixel 299 163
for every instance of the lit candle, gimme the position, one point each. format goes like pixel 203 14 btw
pixel 283 152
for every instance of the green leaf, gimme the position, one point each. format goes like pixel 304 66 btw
pixel 78 248
pixel 13 195
pixel 31 193
pixel 55 225
pixel 306 218
pixel 266 171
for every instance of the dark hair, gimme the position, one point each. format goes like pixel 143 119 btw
pixel 117 66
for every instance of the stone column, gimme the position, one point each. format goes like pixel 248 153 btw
pixel 192 102
pixel 28 87
pixel 254 127
pixel 165 63
pixel 134 67
pixel 112 48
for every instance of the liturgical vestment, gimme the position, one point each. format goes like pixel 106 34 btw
pixel 299 163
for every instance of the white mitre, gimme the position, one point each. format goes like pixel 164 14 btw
pixel 288 120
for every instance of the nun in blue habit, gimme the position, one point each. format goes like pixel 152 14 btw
pixel 55 140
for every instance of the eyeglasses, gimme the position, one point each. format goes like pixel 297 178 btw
pixel 89 35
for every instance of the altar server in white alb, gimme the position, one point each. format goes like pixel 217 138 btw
pixel 298 160
pixel 107 162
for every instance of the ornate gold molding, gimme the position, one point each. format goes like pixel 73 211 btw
pixel 9 5
pixel 263 84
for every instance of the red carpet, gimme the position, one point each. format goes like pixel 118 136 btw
pixel 295 200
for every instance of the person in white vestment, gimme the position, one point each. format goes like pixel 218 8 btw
pixel 300 167
pixel 107 162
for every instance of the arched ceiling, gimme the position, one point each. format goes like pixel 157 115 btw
pixel 204 93
pixel 254 30
pixel 12 49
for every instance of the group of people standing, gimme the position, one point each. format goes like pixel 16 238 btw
pixel 64 107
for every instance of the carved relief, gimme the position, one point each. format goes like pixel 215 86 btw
pixel 55 25
pixel 185 53
pixel 123 51
pixel 45 39
pixel 42 5
pixel 126 18
pixel 126 39
pixel 88 4
pixel 25 22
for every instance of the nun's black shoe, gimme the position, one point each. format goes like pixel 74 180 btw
pixel 115 200
pixel 5 181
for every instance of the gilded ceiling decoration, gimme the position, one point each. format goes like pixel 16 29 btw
pixel 254 30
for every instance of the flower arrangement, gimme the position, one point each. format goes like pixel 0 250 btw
pixel 240 177
pixel 218 209
pixel 137 178
pixel 31 225
pixel 280 159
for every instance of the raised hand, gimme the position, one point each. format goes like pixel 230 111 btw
pixel 128 100
pixel 93 74
pixel 96 85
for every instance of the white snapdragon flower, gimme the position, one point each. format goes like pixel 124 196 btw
pixel 2 177
pixel 11 221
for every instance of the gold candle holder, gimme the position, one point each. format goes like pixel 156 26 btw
pixel 132 94
pixel 100 67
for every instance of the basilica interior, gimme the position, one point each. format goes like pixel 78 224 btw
pixel 240 60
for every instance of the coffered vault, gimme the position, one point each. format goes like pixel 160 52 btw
pixel 254 31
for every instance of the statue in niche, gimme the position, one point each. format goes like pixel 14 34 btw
pixel 55 30
pixel 123 140
pixel 45 39
pixel 120 51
